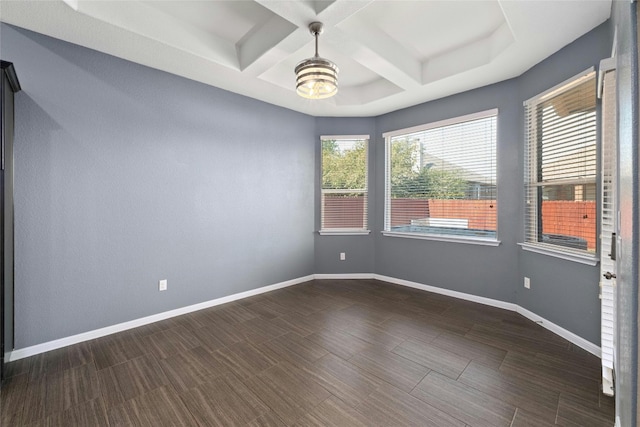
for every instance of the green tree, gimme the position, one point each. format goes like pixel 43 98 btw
pixel 343 168
pixel 408 180
pixel 433 183
pixel 404 157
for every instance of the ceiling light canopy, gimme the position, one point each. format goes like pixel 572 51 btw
pixel 316 78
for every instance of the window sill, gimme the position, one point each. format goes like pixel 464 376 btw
pixel 344 232
pixel 444 238
pixel 549 250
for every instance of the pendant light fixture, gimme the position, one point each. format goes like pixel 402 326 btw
pixel 316 78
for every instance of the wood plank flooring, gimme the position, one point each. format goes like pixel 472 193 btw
pixel 323 353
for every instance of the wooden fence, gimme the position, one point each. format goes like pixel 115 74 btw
pixel 567 218
pixel 480 213
pixel 343 211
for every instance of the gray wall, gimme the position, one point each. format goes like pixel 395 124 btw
pixel 479 270
pixel 563 292
pixel 126 175
pixel 358 249
pixel 624 18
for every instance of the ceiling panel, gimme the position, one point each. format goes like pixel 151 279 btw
pixel 391 54
pixel 429 28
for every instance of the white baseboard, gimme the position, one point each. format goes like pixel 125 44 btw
pixel 346 276
pixel 85 336
pixel 97 333
pixel 448 292
pixel 559 330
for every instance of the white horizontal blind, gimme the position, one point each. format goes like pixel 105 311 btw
pixel 344 184
pixel 560 167
pixel 608 227
pixel 441 178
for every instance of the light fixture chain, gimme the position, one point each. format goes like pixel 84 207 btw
pixel 316 35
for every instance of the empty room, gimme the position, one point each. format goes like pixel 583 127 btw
pixel 319 213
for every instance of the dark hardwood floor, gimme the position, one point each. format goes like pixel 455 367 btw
pixel 324 353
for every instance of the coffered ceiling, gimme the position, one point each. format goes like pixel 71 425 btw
pixel 391 54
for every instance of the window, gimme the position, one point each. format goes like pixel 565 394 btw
pixel 608 220
pixel 441 180
pixel 344 184
pixel 560 168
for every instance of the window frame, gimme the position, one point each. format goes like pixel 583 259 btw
pixel 550 249
pixel 442 237
pixel 346 231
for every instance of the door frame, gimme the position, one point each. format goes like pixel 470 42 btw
pixel 8 74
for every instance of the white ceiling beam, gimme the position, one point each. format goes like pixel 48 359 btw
pixel 339 10
pixel 300 14
pixel 380 54
pixel 304 12
pixel 366 93
pixel 538 30
pixel 262 40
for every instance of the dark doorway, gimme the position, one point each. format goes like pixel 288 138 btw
pixel 8 88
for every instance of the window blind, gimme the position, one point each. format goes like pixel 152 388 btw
pixel 344 184
pixel 441 178
pixel 608 227
pixel 560 167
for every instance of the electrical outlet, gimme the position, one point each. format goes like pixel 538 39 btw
pixel 162 285
pixel 343 256
pixel 527 283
